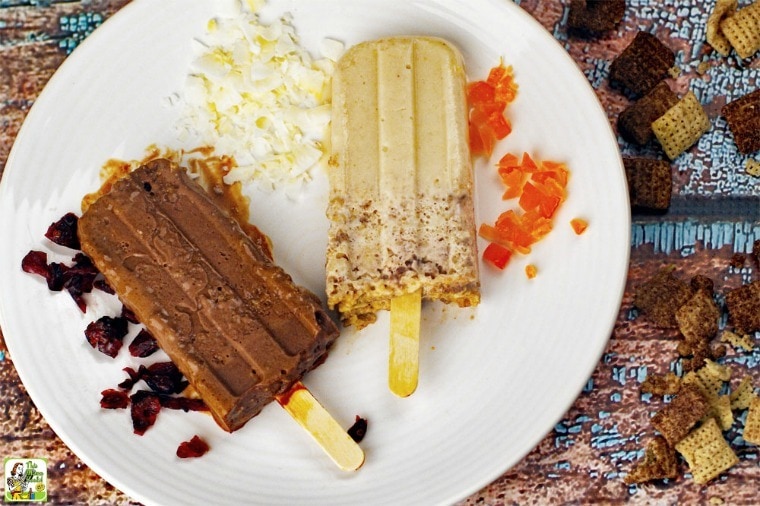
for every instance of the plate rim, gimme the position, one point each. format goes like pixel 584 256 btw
pixel 129 10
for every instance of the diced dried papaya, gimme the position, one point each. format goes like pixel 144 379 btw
pixel 528 164
pixel 499 124
pixel 487 101
pixel 513 178
pixel 497 255
pixel 480 93
pixel 508 160
pixel 579 225
pixel 503 82
pixel 510 238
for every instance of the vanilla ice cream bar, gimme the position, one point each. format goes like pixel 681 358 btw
pixel 232 321
pixel 401 183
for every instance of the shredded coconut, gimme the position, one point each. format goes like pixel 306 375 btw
pixel 255 94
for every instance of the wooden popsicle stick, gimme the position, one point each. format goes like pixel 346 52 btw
pixel 312 416
pixel 403 363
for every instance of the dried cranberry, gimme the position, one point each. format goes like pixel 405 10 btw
pixel 359 429
pixel 196 447
pixel 106 334
pixel 184 403
pixel 101 284
pixel 79 279
pixel 56 276
pixel 81 275
pixel 73 285
pixel 145 408
pixel 82 261
pixel 114 399
pixel 143 345
pixel 134 377
pixel 35 262
pixel 64 231
pixel 163 377
pixel 128 314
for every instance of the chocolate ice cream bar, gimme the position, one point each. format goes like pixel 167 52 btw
pixel 233 322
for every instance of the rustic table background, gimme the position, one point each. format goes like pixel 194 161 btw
pixel 715 213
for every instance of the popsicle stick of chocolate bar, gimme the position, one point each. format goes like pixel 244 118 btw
pixel 312 416
pixel 403 363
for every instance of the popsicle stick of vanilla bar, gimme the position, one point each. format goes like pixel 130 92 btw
pixel 312 416
pixel 403 363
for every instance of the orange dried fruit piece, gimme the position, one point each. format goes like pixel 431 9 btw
pixel 545 198
pixel 503 82
pixel 514 179
pixel 510 236
pixel 488 100
pixel 481 95
pixel 552 170
pixel 579 225
pixel 497 255
pixel 540 188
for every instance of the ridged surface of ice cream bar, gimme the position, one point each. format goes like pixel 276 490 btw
pixel 401 183
pixel 233 322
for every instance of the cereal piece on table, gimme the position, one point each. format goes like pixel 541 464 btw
pixel 695 380
pixel 660 297
pixel 711 378
pixel 698 318
pixel 676 419
pixel 737 260
pixel 743 305
pixel 659 462
pixel 650 183
pixel 742 395
pixel 743 117
pixel 714 35
pixel 701 351
pixel 752 425
pixel 661 384
pixel 707 452
pixel 737 341
pixel 681 126
pixel 643 64
pixel 702 282
pixel 752 167
pixel 698 322
pixel 743 30
pixel 635 122
pixel 595 15
pixel 720 410
pixel 718 352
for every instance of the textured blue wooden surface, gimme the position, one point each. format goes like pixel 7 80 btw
pixel 715 213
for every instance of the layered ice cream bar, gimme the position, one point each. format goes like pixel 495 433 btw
pixel 401 183
pixel 233 322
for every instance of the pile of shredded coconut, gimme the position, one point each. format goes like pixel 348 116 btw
pixel 253 93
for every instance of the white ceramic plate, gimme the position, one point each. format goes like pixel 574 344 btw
pixel 493 381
